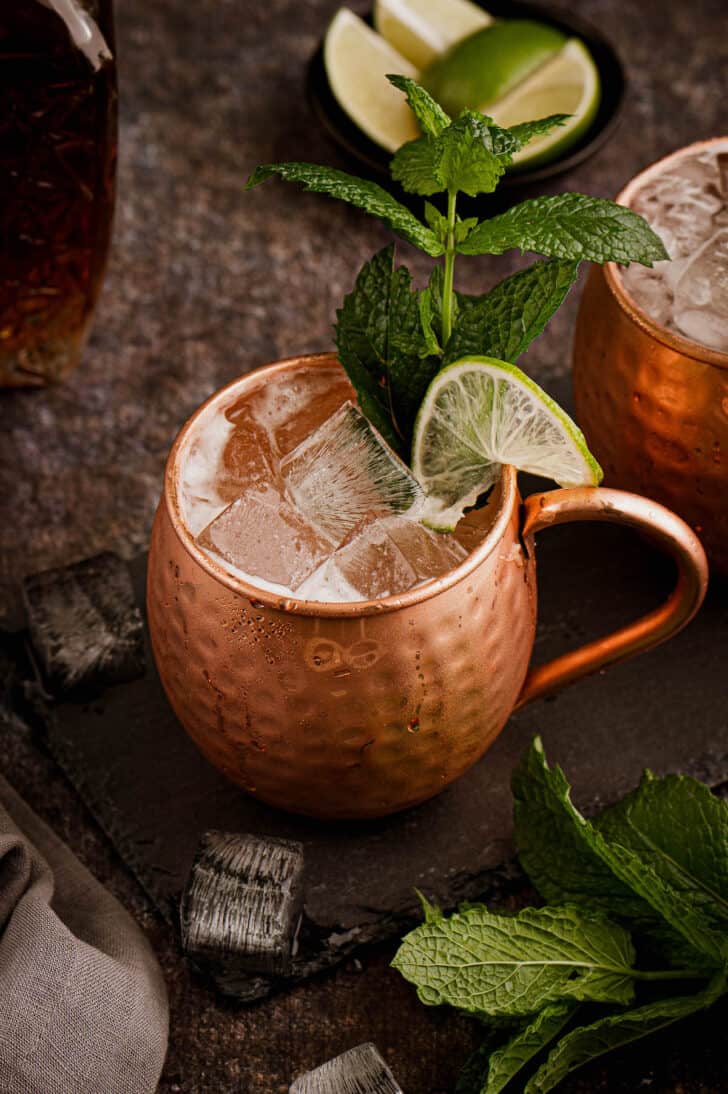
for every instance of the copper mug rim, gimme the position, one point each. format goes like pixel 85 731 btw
pixel 677 342
pixel 509 498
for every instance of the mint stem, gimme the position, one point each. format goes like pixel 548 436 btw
pixel 447 289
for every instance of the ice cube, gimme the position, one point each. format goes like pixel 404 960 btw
pixel 680 204
pixel 85 625
pixel 430 554
pixel 242 903
pixel 248 458
pixel 361 1070
pixel 371 563
pixel 343 471
pixel 265 536
pixel 701 294
pixel 291 407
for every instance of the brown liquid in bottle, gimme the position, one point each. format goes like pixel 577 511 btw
pixel 57 158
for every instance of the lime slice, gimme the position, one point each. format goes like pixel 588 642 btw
pixel 488 64
pixel 566 84
pixel 357 60
pixel 423 29
pixel 480 413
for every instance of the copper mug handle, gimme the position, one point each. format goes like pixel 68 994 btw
pixel 667 531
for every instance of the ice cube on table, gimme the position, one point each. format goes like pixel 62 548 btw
pixel 85 625
pixel 345 470
pixel 361 1070
pixel 264 535
pixel 700 308
pixel 242 903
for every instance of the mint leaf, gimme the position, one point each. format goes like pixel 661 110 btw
pixel 427 317
pixel 416 166
pixel 526 131
pixel 431 912
pixel 515 965
pixel 681 829
pixel 431 117
pixel 597 857
pixel 468 161
pixel 504 322
pixel 436 221
pixel 569 226
pixel 379 338
pixel 588 1042
pixel 508 1060
pixel 365 195
pixel 431 311
pixel 554 848
pixel 460 158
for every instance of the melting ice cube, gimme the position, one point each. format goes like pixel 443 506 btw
pixel 369 565
pixel 265 536
pixel 383 557
pixel 428 553
pixel 291 407
pixel 701 294
pixel 248 458
pixel 343 471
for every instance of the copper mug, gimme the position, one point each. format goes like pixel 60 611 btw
pixel 653 405
pixel 362 709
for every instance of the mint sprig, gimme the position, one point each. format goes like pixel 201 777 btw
pixel 649 876
pixel 390 361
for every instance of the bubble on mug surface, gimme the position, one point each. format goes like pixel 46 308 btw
pixel 343 471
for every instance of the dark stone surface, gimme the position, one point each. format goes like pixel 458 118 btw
pixel 146 783
pixel 205 283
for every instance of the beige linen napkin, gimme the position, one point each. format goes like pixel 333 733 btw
pixel 83 1006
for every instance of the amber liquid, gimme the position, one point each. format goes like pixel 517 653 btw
pixel 57 158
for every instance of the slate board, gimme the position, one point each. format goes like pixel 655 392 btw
pixel 155 795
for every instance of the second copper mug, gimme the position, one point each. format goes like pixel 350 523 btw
pixel 653 404
pixel 362 709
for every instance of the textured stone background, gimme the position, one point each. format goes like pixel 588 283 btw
pixel 204 283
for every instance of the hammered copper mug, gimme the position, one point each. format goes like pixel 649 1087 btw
pixel 653 405
pixel 362 709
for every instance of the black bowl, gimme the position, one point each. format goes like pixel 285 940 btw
pixel 613 85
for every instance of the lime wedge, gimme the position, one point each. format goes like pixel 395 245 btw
pixel 423 29
pixel 357 60
pixel 478 414
pixel 566 84
pixel 488 64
